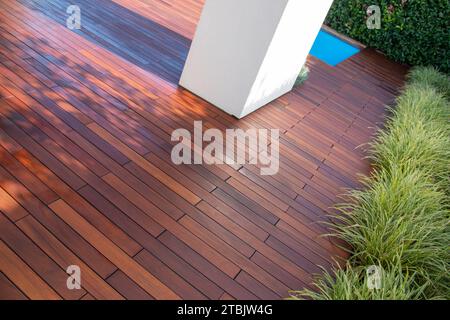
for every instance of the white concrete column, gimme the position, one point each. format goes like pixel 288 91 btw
pixel 246 53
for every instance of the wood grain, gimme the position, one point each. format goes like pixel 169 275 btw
pixel 86 176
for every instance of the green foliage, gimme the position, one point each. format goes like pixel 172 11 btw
pixel 302 77
pixel 351 284
pixel 430 77
pixel 400 219
pixel 415 32
pixel 417 135
pixel 400 215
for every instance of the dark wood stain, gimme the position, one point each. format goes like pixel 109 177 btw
pixel 86 176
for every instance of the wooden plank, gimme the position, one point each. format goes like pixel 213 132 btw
pixel 127 287
pixel 136 272
pixel 168 223
pixel 147 166
pixel 10 207
pixel 44 193
pixel 65 192
pixel 23 277
pixel 86 175
pixel 91 282
pixel 60 229
pixel 171 279
pixel 206 267
pixel 41 264
pixel 8 291
pixel 181 267
pixel 259 289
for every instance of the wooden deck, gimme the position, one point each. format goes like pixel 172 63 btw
pixel 86 177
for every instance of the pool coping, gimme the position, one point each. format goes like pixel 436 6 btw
pixel 344 38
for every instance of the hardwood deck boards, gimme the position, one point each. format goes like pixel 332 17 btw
pixel 86 177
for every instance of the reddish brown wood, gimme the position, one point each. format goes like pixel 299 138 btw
pixel 86 176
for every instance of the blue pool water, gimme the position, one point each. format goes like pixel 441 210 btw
pixel 331 50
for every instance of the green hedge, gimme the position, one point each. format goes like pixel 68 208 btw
pixel 415 32
pixel 400 220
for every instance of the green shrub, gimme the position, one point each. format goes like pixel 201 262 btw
pixel 431 77
pixel 412 31
pixel 417 136
pixel 351 284
pixel 400 215
pixel 400 219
